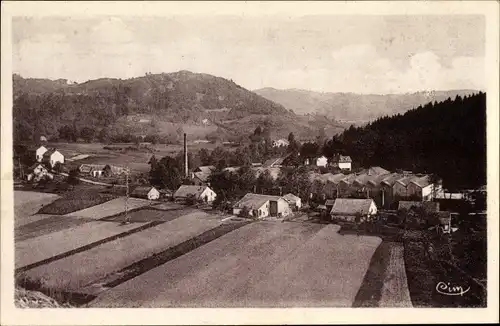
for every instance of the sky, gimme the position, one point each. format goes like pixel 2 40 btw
pixel 359 54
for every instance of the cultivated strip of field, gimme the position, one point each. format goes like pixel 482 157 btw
pixel 109 208
pixel 167 206
pixel 220 273
pixel 326 271
pixel 47 224
pixel 100 261
pixel 74 201
pixel 149 215
pixel 395 291
pixel 20 222
pixel 27 203
pixel 37 249
pixel 370 292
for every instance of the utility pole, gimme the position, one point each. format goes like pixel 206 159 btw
pixel 126 221
pixel 20 168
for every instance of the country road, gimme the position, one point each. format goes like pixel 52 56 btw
pixel 95 182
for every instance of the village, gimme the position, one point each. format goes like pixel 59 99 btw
pixel 342 196
pixel 106 208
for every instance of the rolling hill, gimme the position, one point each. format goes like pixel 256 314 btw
pixel 152 104
pixel 351 107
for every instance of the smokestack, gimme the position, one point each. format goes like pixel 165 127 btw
pixel 186 170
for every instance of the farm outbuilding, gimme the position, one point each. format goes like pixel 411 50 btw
pixel 197 192
pixel 294 201
pixel 262 206
pixel 347 209
pixel 150 193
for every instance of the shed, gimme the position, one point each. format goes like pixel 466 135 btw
pixel 198 192
pixel 148 192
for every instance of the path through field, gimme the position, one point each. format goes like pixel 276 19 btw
pixel 395 292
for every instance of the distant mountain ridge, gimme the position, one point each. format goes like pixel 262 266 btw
pixel 43 106
pixel 352 107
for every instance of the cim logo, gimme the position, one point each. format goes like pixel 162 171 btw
pixel 447 289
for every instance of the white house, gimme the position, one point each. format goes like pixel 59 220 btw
pixel 280 143
pixel 39 153
pixel 343 162
pixel 52 157
pixel 294 201
pixel 322 161
pixel 198 192
pixel 150 193
pixel 318 161
pixel 346 209
pixel 262 206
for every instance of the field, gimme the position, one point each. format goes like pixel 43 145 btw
pixel 136 160
pixel 261 264
pixel 112 207
pixel 46 246
pixel 27 203
pixel 103 260
pixel 74 201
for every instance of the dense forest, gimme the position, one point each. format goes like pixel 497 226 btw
pixel 446 138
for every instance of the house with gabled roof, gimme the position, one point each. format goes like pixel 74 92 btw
pixel 146 192
pixel 261 206
pixel 39 153
pixel 294 201
pixel 52 156
pixel 347 209
pixel 203 193
pixel 343 162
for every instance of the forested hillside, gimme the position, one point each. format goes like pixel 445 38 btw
pixel 446 138
pixel 106 108
pixel 357 108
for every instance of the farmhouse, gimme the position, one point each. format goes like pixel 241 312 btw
pixel 150 193
pixel 39 153
pixel 342 162
pixel 197 192
pixel 293 201
pixel 348 209
pixel 262 206
pixel 38 171
pixel 53 156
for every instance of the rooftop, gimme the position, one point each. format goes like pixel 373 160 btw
pixel 255 201
pixel 348 206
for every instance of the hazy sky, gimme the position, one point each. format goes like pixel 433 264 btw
pixel 362 54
